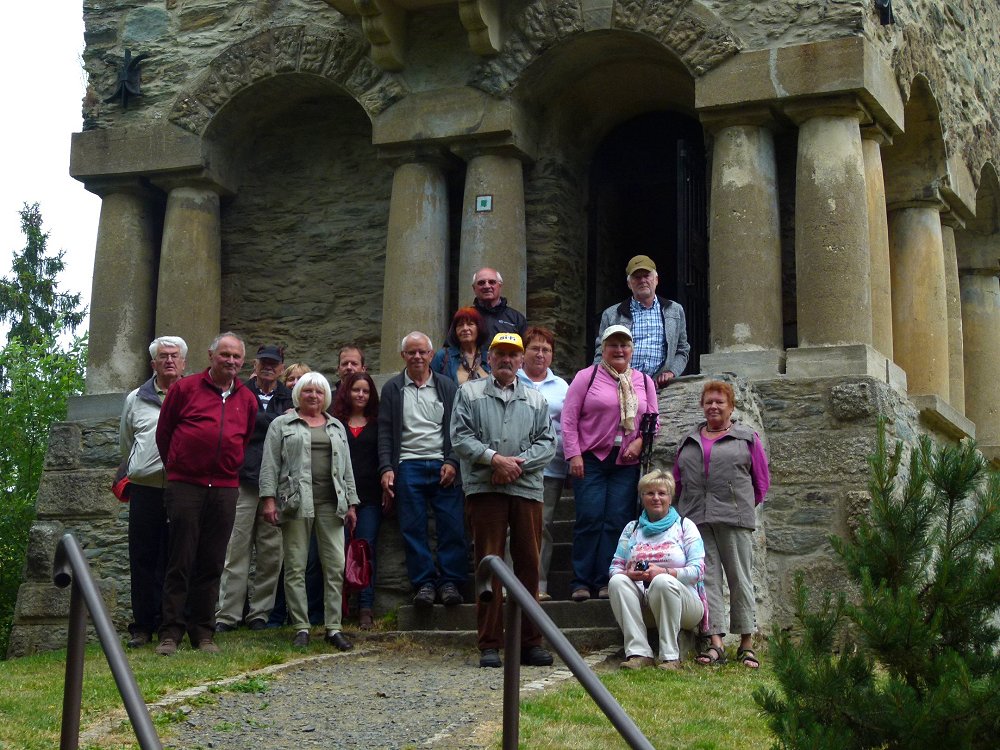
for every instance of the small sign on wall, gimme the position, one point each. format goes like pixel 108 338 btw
pixel 484 203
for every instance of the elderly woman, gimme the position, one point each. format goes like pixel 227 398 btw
pixel 722 475
pixel 601 418
pixel 658 568
pixel 536 372
pixel 356 406
pixel 306 476
pixel 461 358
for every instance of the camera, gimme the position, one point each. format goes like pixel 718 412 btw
pixel 641 565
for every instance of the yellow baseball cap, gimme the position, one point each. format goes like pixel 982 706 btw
pixel 507 339
pixel 640 263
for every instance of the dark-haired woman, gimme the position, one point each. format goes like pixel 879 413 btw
pixel 461 358
pixel 356 405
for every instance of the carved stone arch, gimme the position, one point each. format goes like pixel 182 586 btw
pixel 339 56
pixel 916 163
pixel 687 28
pixel 987 219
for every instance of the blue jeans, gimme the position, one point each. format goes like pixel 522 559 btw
pixel 606 500
pixel 418 485
pixel 369 522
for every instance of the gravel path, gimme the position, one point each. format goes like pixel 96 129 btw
pixel 378 696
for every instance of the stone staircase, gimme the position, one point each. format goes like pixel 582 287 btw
pixel 588 625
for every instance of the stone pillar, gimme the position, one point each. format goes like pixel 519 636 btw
pixel 416 259
pixel 878 242
pixel 919 305
pixel 953 302
pixel 494 235
pixel 744 254
pixel 189 289
pixel 124 286
pixel 832 257
pixel 980 290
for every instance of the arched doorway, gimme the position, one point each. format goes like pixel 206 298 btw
pixel 648 195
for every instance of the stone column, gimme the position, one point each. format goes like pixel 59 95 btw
pixel 832 257
pixel 416 260
pixel 744 253
pixel 919 304
pixel 953 302
pixel 124 287
pixel 878 241
pixel 494 235
pixel 980 290
pixel 189 289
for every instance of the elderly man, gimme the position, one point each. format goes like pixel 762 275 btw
pixel 205 426
pixel 502 433
pixel 658 326
pixel 497 316
pixel 147 519
pixel 418 468
pixel 251 533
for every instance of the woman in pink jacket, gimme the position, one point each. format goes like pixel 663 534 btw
pixel 601 418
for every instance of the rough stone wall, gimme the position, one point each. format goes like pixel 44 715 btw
pixel 75 497
pixel 303 242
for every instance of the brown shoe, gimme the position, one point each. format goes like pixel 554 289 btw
pixel 671 665
pixel 602 593
pixel 167 647
pixel 366 619
pixel 637 662
pixel 580 595
pixel 138 639
pixel 208 646
pixel 544 596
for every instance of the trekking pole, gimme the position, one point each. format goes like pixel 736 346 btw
pixel 647 431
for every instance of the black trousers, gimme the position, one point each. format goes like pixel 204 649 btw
pixel 147 556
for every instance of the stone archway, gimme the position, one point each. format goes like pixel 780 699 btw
pixel 335 55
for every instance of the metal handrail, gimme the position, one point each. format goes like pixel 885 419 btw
pixel 71 567
pixel 518 599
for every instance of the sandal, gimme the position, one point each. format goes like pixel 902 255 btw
pixel 748 658
pixel 712 656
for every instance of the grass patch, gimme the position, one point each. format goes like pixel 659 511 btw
pixel 31 687
pixel 696 708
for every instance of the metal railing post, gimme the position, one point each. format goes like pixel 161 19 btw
pixel 520 601
pixel 512 675
pixel 70 567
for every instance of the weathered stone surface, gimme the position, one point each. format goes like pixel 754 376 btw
pixel 76 494
pixel 42 540
pixel 852 401
pixel 64 447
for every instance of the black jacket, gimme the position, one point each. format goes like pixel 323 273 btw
pixel 390 421
pixel 280 402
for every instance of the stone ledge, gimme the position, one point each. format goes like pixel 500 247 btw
pixel 760 364
pixel 939 415
pixel 98 406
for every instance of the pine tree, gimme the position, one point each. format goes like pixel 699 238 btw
pixel 30 301
pixel 909 661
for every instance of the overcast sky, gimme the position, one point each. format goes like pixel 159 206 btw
pixel 42 85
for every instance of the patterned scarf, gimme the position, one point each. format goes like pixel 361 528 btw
pixel 628 403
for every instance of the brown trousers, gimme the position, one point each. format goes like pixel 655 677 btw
pixel 490 515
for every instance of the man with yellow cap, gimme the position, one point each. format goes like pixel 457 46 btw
pixel 502 434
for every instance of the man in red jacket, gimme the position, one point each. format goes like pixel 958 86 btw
pixel 206 422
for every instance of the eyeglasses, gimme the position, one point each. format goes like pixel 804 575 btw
pixel 417 353
pixel 487 282
pixel 169 355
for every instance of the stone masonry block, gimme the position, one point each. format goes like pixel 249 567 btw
pixel 76 493
pixel 64 446
pixel 43 538
pixel 44 601
pixel 857 400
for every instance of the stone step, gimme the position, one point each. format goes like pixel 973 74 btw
pixel 582 639
pixel 564 614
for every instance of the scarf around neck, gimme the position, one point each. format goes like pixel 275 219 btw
pixel 658 527
pixel 628 402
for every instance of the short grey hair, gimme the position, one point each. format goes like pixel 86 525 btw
pixel 499 277
pixel 313 378
pixel 227 335
pixel 413 335
pixel 177 341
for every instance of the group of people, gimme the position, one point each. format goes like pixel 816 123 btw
pixel 483 434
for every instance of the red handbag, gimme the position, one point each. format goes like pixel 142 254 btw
pixel 358 565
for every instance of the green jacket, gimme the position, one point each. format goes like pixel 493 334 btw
pixel 482 424
pixel 285 471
